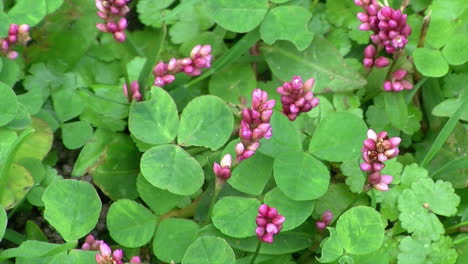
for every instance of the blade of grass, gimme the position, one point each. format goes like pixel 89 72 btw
pixel 444 133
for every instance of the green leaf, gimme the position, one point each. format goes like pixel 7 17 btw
pixel 67 104
pixel 77 256
pixel 338 137
pixel 18 183
pixel 91 152
pixel 209 250
pixel 206 121
pixel 252 175
pixel 430 62
pixel 33 248
pixel 355 177
pixel 456 51
pixel 341 13
pixel 421 251
pixel 360 230
pixel 173 237
pixel 154 121
pixel 396 109
pixel 411 174
pixel 320 60
pixel 419 205
pixel 235 216
pixel 332 248
pixel 130 223
pixel 169 167
pixel 76 134
pixel 444 133
pixel 22 119
pixel 285 137
pixel 233 83
pixel 449 106
pixel 226 13
pixel 339 38
pixel 337 199
pixel 149 13
pixel 280 25
pixel 115 173
pixel 295 212
pixel 38 144
pixel 3 222
pixel 8 104
pixel 285 242
pixel 160 201
pixel 300 176
pixel 72 208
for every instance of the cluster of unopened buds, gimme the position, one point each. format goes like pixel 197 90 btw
pixel 113 12
pixel 134 91
pixel 269 223
pixel 105 254
pixel 369 61
pixel 255 124
pixel 390 26
pixel 325 220
pixel 297 97
pixel 397 82
pixel 16 35
pixel 377 149
pixel 200 57
pixel 223 170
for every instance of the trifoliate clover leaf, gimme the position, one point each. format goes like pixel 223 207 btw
pixel 421 251
pixel 389 204
pixel 412 173
pixel 419 205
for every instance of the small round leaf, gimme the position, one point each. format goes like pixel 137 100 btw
pixel 279 22
pixel 209 250
pixel 76 134
pixel 226 13
pixel 130 223
pixel 206 121
pixel 173 237
pixel 430 62
pixel 169 167
pixel 8 104
pixel 72 208
pixel 295 212
pixel 160 201
pixel 235 216
pixel 300 176
pixel 360 230
pixel 456 51
pixel 154 121
pixel 338 137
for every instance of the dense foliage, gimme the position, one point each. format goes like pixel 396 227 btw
pixel 233 131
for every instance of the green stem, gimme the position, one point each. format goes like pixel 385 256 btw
pixel 455 227
pixel 244 44
pixel 151 61
pixel 13 236
pixel 219 184
pixel 259 245
pixel 415 89
pixel 460 240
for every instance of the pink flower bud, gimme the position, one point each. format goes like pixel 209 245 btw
pixel 399 74
pixel 135 260
pixel 320 225
pixel 23 29
pixel 13 30
pixel 381 62
pixel 105 250
pixel 117 255
pixel 119 36
pixel 364 26
pixel 369 51
pixel 368 63
pixel 387 86
pixel 122 25
pixel 12 55
pixel 226 161
pixel 239 148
